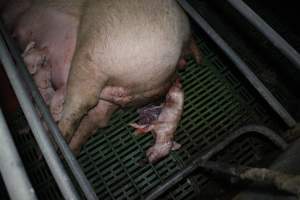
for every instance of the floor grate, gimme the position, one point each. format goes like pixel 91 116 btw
pixel 216 104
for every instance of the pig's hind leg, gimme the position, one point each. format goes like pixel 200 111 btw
pixel 97 117
pixel 84 86
pixel 164 127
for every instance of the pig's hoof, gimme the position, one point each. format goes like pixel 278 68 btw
pixel 47 94
pixel 56 104
pixel 56 108
pixel 159 151
pixel 175 146
pixel 56 116
pixel 56 112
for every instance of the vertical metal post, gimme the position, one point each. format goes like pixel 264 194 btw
pixel 279 42
pixel 11 167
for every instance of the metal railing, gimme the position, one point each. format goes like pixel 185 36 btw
pixel 11 167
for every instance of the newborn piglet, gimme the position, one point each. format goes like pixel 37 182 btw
pixel 162 122
pixel 38 66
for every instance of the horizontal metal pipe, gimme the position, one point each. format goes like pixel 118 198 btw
pixel 11 167
pixel 42 107
pixel 256 129
pixel 240 64
pixel 285 182
pixel 279 42
pixel 194 164
pixel 39 132
pixel 287 162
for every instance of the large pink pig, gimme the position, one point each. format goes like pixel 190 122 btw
pixel 96 56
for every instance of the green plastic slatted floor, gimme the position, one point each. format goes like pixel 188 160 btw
pixel 216 103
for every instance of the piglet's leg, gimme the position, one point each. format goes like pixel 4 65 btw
pixel 56 104
pixel 163 129
pixel 96 118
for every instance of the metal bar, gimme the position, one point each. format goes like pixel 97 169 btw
pixel 282 181
pixel 11 167
pixel 241 65
pixel 279 42
pixel 287 162
pixel 256 129
pixel 47 149
pixel 200 157
pixel 64 148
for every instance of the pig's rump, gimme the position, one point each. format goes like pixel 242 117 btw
pixel 134 45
